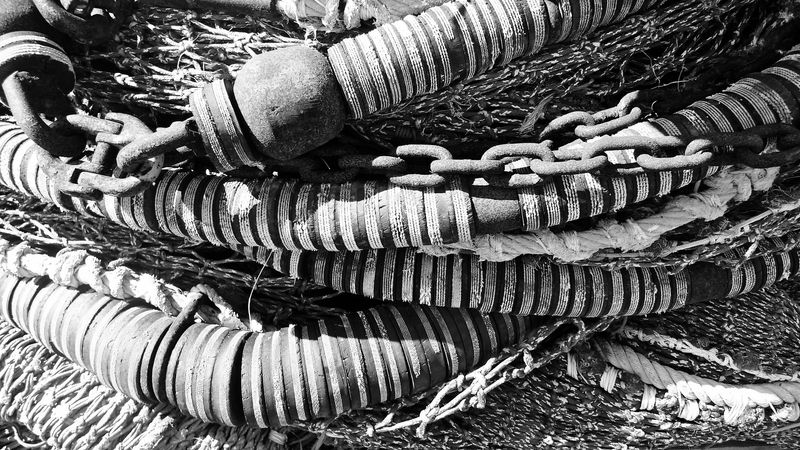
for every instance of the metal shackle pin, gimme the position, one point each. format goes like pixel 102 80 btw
pixel 36 76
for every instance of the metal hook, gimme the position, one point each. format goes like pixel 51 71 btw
pixel 45 136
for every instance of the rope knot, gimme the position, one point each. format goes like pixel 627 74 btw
pixel 116 280
pixel 460 382
pixel 63 269
pixel 13 260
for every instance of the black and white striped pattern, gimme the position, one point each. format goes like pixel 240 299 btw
pixel 264 380
pixel 756 273
pixel 218 123
pixel 772 96
pixel 273 213
pixel 289 214
pixel 573 197
pixel 456 41
pixel 524 286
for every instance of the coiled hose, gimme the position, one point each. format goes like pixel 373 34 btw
pixel 265 380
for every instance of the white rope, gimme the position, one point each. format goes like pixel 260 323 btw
pixel 77 268
pixel 693 390
pixel 720 192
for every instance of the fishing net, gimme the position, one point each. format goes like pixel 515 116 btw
pixel 564 386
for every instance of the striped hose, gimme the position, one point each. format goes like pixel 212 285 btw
pixel 264 380
pixel 530 286
pixel 458 40
pixel 771 96
pixel 288 214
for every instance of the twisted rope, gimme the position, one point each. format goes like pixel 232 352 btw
pixel 75 268
pixel 737 399
pixel 570 246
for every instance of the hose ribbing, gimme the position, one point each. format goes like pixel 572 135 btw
pixel 456 41
pixel 264 380
pixel 289 214
pixel 527 285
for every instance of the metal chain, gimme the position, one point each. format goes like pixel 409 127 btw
pixel 529 164
pixel 588 126
pixel 100 174
pixel 125 144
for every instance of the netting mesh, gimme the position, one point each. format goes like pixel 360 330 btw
pixel 690 46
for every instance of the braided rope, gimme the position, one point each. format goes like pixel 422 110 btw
pixel 735 398
pixel 738 229
pixel 711 203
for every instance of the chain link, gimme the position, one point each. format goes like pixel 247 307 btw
pixel 515 165
pixel 529 164
pixel 589 126
pixel 99 174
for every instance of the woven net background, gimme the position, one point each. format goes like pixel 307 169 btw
pixel 546 393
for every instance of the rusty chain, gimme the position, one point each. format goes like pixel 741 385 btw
pixel 99 174
pixel 529 164
pixel 587 126
pixel 519 165
pixel 125 145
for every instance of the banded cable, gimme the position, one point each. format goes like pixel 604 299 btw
pixel 530 286
pixel 264 380
pixel 457 40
